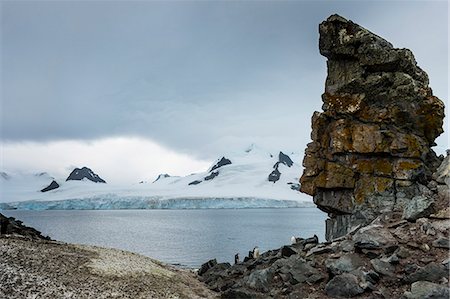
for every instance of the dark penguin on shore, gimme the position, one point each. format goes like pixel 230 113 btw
pixel 236 258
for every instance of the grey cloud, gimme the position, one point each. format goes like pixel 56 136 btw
pixel 194 76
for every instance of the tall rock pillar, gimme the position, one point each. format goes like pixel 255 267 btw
pixel 371 146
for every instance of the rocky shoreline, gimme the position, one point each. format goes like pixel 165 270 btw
pixel 389 258
pixel 372 168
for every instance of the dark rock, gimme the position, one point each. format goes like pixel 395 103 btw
pixel 12 226
pixel 402 252
pixel 285 159
pixel 370 253
pixel 393 259
pixel 274 176
pixel 79 174
pixel 417 207
pixel 196 182
pixel 161 176
pixel 295 187
pixel 441 243
pixel 344 264
pixel 347 245
pixel 319 250
pixel 410 268
pixel 373 236
pixel 442 173
pixel 53 185
pixel 372 277
pixel 259 280
pixel 382 267
pixel 432 272
pixel 427 290
pixel 247 258
pixel 390 249
pixel 222 162
pixel 299 269
pixel 312 240
pixel 287 251
pixel 337 226
pixel 242 293
pixel 211 175
pixel 206 266
pixel 345 285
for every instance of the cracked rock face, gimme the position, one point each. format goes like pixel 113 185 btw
pixel 371 146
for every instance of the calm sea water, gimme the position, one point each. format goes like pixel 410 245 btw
pixel 183 237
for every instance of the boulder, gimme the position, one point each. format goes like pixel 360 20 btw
pixel 259 280
pixel 419 206
pixel 345 285
pixel 382 267
pixel 374 236
pixel 427 290
pixel 432 272
pixel 287 251
pixel 206 266
pixel 442 174
pixel 441 243
pixel 344 264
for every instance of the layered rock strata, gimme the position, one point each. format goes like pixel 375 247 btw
pixel 371 146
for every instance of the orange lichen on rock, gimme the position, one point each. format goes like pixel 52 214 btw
pixel 372 143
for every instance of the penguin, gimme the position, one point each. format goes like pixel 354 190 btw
pixel 293 240
pixel 256 252
pixel 236 258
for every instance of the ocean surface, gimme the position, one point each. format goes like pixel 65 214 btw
pixel 186 238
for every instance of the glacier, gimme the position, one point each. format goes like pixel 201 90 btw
pixel 242 183
pixel 115 202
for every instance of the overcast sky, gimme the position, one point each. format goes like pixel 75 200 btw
pixel 154 87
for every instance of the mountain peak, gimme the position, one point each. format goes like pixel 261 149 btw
pixel 79 174
pixel 222 162
pixel 161 176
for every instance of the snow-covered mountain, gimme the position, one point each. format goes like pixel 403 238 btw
pixel 248 179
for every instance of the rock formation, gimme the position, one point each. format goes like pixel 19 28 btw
pixel 222 162
pixel 53 185
pixel 371 146
pixel 12 226
pixel 275 175
pixel 161 176
pixel 84 173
